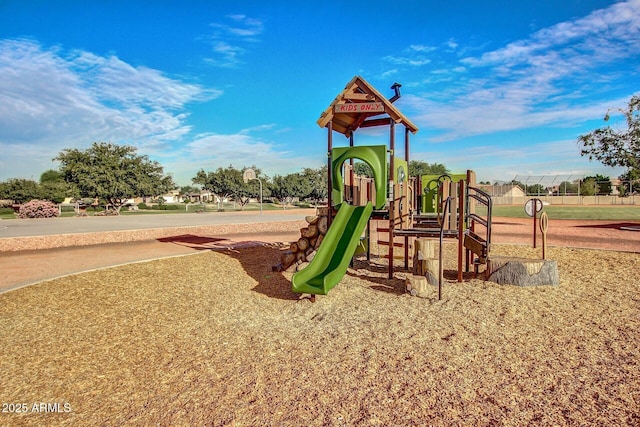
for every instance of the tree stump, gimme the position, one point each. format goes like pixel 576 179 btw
pixel 418 286
pixel 522 271
pixel 424 248
pixel 424 261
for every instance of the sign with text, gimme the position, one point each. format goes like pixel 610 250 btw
pixel 360 107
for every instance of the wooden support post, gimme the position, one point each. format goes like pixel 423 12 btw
pixel 406 145
pixel 369 240
pixel 425 262
pixel 535 229
pixel 351 183
pixel 329 172
pixel 391 197
pixel 461 218
pixel 406 252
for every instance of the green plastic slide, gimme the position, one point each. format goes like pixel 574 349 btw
pixel 335 252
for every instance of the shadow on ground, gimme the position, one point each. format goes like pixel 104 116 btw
pixel 256 258
pixel 633 226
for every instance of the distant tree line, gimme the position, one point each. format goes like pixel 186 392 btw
pixel 114 174
pixel 228 183
pixel 597 185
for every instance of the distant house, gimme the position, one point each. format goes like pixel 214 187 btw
pixel 502 190
pixel 172 197
pixel 201 197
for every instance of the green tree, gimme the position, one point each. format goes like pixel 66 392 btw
pixel 20 190
pixel 362 169
pixel 419 168
pixel 114 173
pixel 246 191
pixel 588 187
pixel 225 183
pixel 616 148
pixel 288 187
pixel 602 184
pixel 567 187
pixel 536 190
pixel 54 188
pixel 316 183
pixel 632 176
pixel 186 191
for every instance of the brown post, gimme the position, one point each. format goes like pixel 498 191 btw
pixel 461 215
pixel 392 144
pixel 406 146
pixel 329 159
pixel 352 171
pixel 409 195
pixel 406 158
pixel 535 214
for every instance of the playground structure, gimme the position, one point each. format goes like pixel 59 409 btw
pixel 434 207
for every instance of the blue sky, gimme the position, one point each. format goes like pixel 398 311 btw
pixel 501 87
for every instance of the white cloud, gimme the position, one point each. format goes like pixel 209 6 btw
pixel 413 56
pixel 229 38
pixel 554 77
pixel 498 163
pixel 51 99
pixel 242 149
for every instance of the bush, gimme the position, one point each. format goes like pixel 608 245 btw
pixel 6 211
pixel 39 209
pixel 142 205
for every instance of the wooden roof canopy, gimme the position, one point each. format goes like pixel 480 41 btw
pixel 358 105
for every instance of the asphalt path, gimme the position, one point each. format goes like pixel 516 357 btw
pixel 93 224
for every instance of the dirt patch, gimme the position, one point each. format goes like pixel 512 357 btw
pixel 217 338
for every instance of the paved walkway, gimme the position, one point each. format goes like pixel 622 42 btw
pixel 93 224
pixel 156 236
pixel 181 235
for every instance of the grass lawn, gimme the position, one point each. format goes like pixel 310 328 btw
pixel 574 212
pixel 193 208
pixel 617 212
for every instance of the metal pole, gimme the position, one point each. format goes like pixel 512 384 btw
pixel 535 214
pixel 260 181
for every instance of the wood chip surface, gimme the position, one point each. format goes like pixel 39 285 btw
pixel 217 338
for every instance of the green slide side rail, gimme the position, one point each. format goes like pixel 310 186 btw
pixel 335 252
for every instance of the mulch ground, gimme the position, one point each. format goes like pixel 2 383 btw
pixel 217 338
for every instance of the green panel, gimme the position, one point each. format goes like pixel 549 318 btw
pixel 374 155
pixel 335 252
pixel 401 172
pixel 430 189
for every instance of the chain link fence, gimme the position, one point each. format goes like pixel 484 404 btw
pixel 564 190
